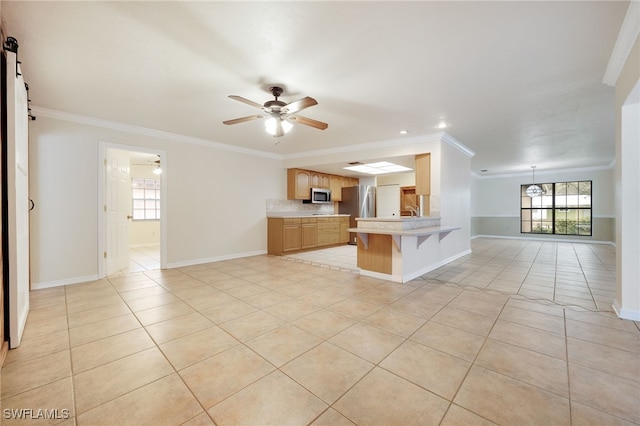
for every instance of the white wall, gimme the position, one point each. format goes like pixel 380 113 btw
pixel 215 198
pixel 454 184
pixel 495 202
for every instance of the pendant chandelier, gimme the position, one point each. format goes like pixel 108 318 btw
pixel 534 190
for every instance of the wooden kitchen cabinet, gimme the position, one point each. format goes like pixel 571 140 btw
pixel 423 174
pixel 320 180
pixel 309 230
pixel 343 236
pixel 335 184
pixel 328 231
pixel 298 184
pixel 284 234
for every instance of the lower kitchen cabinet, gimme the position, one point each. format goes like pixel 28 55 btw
pixel 285 235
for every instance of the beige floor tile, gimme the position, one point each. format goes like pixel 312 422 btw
pixel 224 374
pixel 101 329
pixel 603 319
pixel 534 368
pixel 604 358
pixel 175 328
pixel 587 416
pixel 228 311
pixel 283 344
pixel 458 416
pixel 450 340
pixel 395 321
pixel 99 352
pixel 332 418
pixel 322 298
pixel 56 397
pixel 536 306
pixel 433 370
pixel 20 377
pixel 195 347
pixel 93 302
pixel 47 312
pixel 35 329
pixel 106 382
pixel 258 404
pixel 324 324
pixel 266 299
pixel 164 312
pixel 204 303
pixel 619 339
pixel 367 342
pixel 292 310
pixel 327 371
pixel 152 301
pixel 530 338
pixel 87 317
pixel 246 290
pixel 251 325
pixel 465 320
pixel 354 308
pixel 147 405
pixel 529 318
pixel 604 392
pixel 416 307
pixel 508 401
pixel 382 398
pixel 38 346
pixel 200 291
pixel 201 419
pixel 141 293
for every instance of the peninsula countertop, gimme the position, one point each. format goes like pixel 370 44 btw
pixel 296 215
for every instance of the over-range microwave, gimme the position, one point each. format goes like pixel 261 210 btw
pixel 319 196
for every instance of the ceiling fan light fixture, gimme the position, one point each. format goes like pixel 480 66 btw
pixel 157 170
pixel 270 125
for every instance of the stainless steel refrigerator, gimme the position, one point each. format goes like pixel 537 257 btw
pixel 357 201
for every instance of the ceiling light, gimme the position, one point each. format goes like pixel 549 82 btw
pixel 157 170
pixel 270 125
pixel 404 132
pixel 442 125
pixel 534 190
pixel 378 168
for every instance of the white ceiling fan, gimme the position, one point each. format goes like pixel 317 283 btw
pixel 279 115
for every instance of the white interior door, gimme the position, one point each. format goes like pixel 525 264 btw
pixel 388 201
pixel 18 201
pixel 117 211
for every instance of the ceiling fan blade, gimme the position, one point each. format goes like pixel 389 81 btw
pixel 310 122
pixel 299 105
pixel 242 119
pixel 246 101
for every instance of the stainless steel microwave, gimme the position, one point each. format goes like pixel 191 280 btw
pixel 319 196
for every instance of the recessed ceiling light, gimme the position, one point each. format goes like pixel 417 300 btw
pixel 404 132
pixel 378 168
pixel 443 125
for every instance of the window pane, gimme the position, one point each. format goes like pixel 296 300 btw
pixel 138 193
pixel 138 214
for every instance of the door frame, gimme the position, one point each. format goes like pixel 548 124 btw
pixel 103 147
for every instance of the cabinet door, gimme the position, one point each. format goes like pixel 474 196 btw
pixel 292 238
pixel 423 174
pixel 309 235
pixel 298 184
pixel 335 184
pixel 344 234
pixel 325 181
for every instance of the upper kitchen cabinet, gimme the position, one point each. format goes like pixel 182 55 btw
pixel 298 184
pixel 320 180
pixel 335 184
pixel 423 174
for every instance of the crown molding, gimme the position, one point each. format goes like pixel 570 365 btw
pixel 113 125
pixel 446 137
pixel 627 36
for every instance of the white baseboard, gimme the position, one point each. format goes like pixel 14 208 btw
pixel 553 240
pixel 215 259
pixel 66 281
pixel 625 313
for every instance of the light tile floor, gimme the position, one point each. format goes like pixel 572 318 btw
pixel 515 333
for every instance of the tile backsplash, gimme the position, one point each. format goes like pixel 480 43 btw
pixel 297 206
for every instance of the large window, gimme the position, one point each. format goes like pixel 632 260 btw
pixel 563 208
pixel 146 199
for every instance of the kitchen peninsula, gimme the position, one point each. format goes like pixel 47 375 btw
pixel 400 249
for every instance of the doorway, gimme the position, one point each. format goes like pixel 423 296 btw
pixel 132 210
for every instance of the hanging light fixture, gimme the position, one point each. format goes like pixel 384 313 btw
pixel 534 190
pixel 157 170
pixel 271 126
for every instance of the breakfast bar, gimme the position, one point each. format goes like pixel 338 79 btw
pixel 400 249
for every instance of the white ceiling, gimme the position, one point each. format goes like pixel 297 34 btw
pixel 519 82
